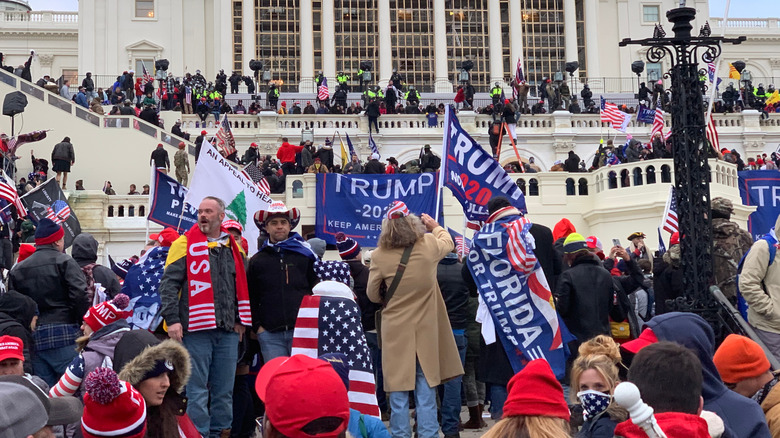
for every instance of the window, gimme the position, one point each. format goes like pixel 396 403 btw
pixel 140 64
pixel 654 71
pixel 144 8
pixel 650 13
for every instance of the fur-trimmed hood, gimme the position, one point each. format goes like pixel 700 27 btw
pixel 138 350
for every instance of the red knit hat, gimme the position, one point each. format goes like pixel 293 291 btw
pixel 535 391
pixel 112 408
pixel 103 314
pixel 48 232
pixel 739 358
pixel 25 250
pixel 675 239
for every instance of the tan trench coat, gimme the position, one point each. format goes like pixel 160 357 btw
pixel 415 322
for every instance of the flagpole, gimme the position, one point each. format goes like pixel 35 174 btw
pixel 462 248
pixel 666 207
pixel 717 68
pixel 152 188
pixel 443 167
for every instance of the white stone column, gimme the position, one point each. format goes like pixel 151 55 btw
pixel 248 37
pixel 494 42
pixel 570 30
pixel 442 83
pixel 516 36
pixel 385 45
pixel 306 84
pixel 329 42
pixel 592 37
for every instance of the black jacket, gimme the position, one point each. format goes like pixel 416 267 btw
pixel 374 166
pixel 16 314
pixel 584 298
pixel 126 110
pixel 454 291
pixel 667 284
pixel 545 252
pixel 84 251
pixel 160 158
pixel 372 110
pixel 278 281
pixel 56 284
pixel 359 273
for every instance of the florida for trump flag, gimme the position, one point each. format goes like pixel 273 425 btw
pixel 331 324
pixel 514 290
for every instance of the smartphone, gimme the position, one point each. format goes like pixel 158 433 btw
pixel 615 242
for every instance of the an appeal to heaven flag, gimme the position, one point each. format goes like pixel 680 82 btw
pixel 215 176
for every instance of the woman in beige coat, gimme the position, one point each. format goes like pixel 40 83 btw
pixel 418 347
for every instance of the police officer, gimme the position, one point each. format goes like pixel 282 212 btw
pixel 412 96
pixel 495 93
pixel 398 80
pixel 342 79
pixel 273 95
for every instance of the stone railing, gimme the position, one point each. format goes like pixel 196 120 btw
pixel 48 17
pixel 747 23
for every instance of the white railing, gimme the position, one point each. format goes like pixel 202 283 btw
pixel 747 23
pixel 54 17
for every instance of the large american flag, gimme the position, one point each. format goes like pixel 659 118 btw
pixel 58 211
pixel 712 134
pixel 332 325
pixel 322 92
pixel 9 193
pixel 256 175
pixel 658 121
pixel 610 113
pixel 226 144
pixel 669 221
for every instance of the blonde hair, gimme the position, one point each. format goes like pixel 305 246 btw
pixel 601 354
pixel 401 232
pixel 529 427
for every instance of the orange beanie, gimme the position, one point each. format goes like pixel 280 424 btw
pixel 739 358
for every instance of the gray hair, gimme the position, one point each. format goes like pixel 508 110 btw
pixel 219 202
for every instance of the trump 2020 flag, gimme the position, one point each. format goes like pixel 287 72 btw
pixel 141 286
pixel 167 206
pixel 514 290
pixel 331 324
pixel 47 200
pixel 217 176
pixel 472 175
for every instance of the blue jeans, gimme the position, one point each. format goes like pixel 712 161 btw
pixel 451 401
pixel 213 354
pixel 425 399
pixel 498 396
pixel 275 344
pixel 376 358
pixel 50 364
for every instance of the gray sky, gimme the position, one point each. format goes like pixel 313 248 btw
pixel 738 8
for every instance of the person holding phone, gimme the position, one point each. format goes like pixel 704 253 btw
pixel 637 248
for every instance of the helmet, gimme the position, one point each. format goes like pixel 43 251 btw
pixel 497 84
pixel 722 205
pixel 411 87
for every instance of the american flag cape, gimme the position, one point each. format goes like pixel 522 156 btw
pixel 520 289
pixel 322 91
pixel 610 113
pixel 331 324
pixel 225 144
pixel 141 286
pixel 669 222
pixel 9 193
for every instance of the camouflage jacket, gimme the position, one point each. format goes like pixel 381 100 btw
pixel 730 243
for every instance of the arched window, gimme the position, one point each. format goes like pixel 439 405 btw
pixel 624 180
pixel 582 187
pixel 637 176
pixel 612 175
pixel 297 187
pixel 521 185
pixel 570 187
pixel 666 174
pixel 533 187
pixel 650 176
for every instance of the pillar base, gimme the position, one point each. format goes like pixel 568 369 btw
pixel 442 86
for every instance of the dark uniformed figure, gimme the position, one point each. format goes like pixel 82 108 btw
pixel 342 78
pixel 495 93
pixel 412 96
pixel 730 243
pixel 273 95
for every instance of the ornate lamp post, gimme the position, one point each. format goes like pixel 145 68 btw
pixel 690 148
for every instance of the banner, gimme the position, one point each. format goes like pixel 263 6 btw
pixel 472 174
pixel 355 204
pixel 760 188
pixel 167 206
pixel 47 200
pixel 215 176
pixel 516 295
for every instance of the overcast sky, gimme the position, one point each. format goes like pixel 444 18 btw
pixel 739 8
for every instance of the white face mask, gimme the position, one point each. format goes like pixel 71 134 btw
pixel 593 402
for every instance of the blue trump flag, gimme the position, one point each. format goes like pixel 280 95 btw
pixel 472 175
pixel 760 188
pixel 356 204
pixel 645 114
pixel 165 206
pixel 516 294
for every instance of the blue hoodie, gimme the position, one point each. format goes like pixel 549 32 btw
pixel 742 416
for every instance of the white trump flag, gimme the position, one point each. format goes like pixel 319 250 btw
pixel 216 176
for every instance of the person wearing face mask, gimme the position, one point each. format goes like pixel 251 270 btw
pixel 594 376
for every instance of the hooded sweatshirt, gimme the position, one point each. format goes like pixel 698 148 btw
pixel 742 416
pixel 563 228
pixel 674 425
pixel 85 252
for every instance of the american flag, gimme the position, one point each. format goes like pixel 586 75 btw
pixel 462 244
pixel 145 76
pixel 519 77
pixel 610 113
pixel 226 144
pixel 322 92
pixel 256 175
pixel 13 143
pixel 351 148
pixel 712 134
pixel 58 211
pixel 329 324
pixel 474 225
pixel 658 121
pixel 522 260
pixel 669 221
pixel 9 193
pixel 188 95
pixel 372 145
pixel 711 71
pixel 141 286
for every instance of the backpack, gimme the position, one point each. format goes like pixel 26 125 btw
pixel 96 293
pixel 742 305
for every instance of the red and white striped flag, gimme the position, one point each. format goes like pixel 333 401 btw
pixel 9 193
pixel 611 113
pixel 519 77
pixel 145 77
pixel 226 144
pixel 658 121
pixel 669 222
pixel 256 175
pixel 712 134
pixel 322 92
pixel 331 324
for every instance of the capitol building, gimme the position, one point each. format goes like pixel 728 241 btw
pixel 424 40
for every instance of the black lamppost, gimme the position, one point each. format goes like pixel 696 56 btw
pixel 690 148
